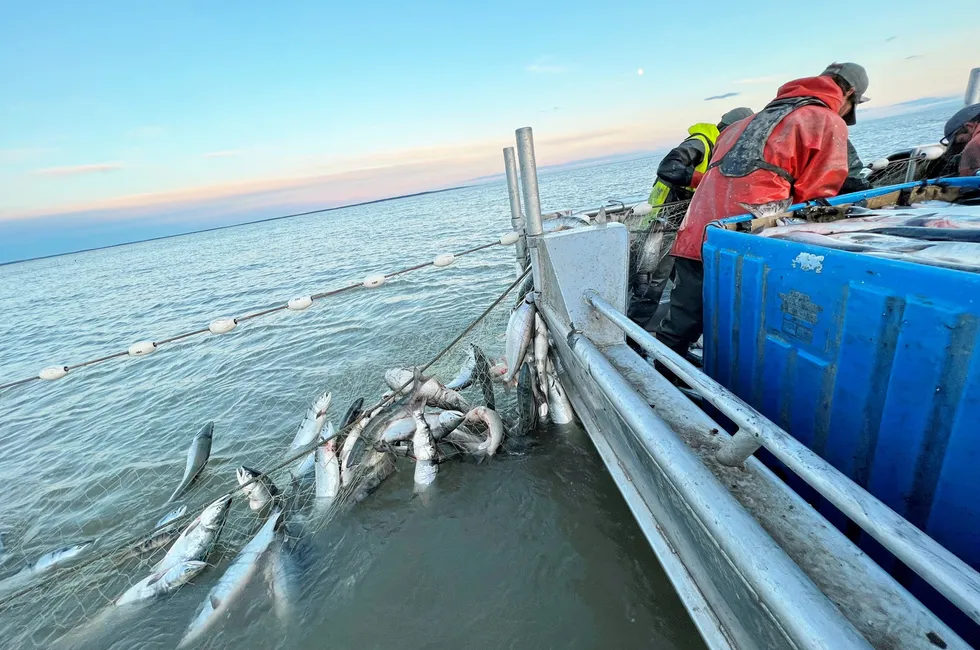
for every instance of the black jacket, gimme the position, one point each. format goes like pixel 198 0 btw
pixel 677 168
pixel 854 182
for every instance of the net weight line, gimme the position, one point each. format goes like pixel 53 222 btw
pixel 247 317
pixel 9 600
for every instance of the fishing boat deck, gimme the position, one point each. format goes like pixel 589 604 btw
pixel 878 606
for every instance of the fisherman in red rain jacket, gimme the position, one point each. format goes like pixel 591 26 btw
pixel 796 147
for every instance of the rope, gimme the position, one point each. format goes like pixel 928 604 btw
pixel 250 316
pixel 384 402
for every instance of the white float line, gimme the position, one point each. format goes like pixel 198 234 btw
pixel 225 325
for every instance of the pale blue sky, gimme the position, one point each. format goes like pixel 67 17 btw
pixel 105 102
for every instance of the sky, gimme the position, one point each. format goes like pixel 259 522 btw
pixel 125 121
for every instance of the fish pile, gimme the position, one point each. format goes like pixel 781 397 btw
pixel 541 397
pixel 934 233
pixel 419 418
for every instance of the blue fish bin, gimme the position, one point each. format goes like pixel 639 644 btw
pixel 872 363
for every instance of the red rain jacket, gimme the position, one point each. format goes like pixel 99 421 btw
pixel 970 158
pixel 810 143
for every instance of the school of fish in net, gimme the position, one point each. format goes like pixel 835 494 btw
pixel 419 419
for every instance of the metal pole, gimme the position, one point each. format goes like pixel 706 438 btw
pixel 516 218
pixel 532 201
pixel 913 165
pixel 973 88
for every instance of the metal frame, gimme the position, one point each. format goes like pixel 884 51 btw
pixel 949 575
pixel 532 200
pixel 516 218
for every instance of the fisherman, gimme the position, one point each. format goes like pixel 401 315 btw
pixel 796 148
pixel 962 133
pixel 682 169
pixel 678 176
pixel 957 132
pixel 970 158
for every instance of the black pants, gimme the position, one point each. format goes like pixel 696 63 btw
pixel 684 321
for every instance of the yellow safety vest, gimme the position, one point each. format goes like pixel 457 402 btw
pixel 707 133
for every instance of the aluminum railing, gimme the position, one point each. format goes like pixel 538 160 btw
pixel 807 616
pixel 948 574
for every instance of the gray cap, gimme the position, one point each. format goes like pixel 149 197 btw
pixel 735 115
pixel 960 119
pixel 853 74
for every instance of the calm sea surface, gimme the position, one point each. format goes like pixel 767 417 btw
pixel 531 551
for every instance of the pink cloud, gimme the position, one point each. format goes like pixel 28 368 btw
pixel 78 170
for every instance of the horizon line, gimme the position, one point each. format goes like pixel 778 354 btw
pixel 597 161
pixel 243 223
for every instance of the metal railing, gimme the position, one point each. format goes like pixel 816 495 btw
pixel 948 574
pixel 808 617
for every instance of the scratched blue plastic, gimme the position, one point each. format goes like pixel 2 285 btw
pixel 874 364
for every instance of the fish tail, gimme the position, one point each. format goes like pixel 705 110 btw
pixel 416 401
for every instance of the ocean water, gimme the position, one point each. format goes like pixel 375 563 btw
pixel 533 550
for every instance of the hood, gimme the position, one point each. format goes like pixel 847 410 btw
pixel 710 131
pixel 822 88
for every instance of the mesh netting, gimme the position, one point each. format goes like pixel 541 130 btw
pixel 72 606
pixel 651 238
pixel 652 235
pixel 893 174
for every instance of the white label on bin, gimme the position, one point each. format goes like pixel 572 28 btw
pixel 809 262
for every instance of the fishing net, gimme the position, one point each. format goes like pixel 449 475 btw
pixel 72 607
pixel 897 171
pixel 650 265
pixel 894 173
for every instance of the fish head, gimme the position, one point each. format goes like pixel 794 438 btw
pixel 322 403
pixel 765 210
pixel 246 474
pixel 214 515
pixel 451 418
pixel 475 414
pixel 79 547
pixel 183 572
pixel 207 431
pixel 176 513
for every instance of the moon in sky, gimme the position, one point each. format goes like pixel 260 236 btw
pixel 640 72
